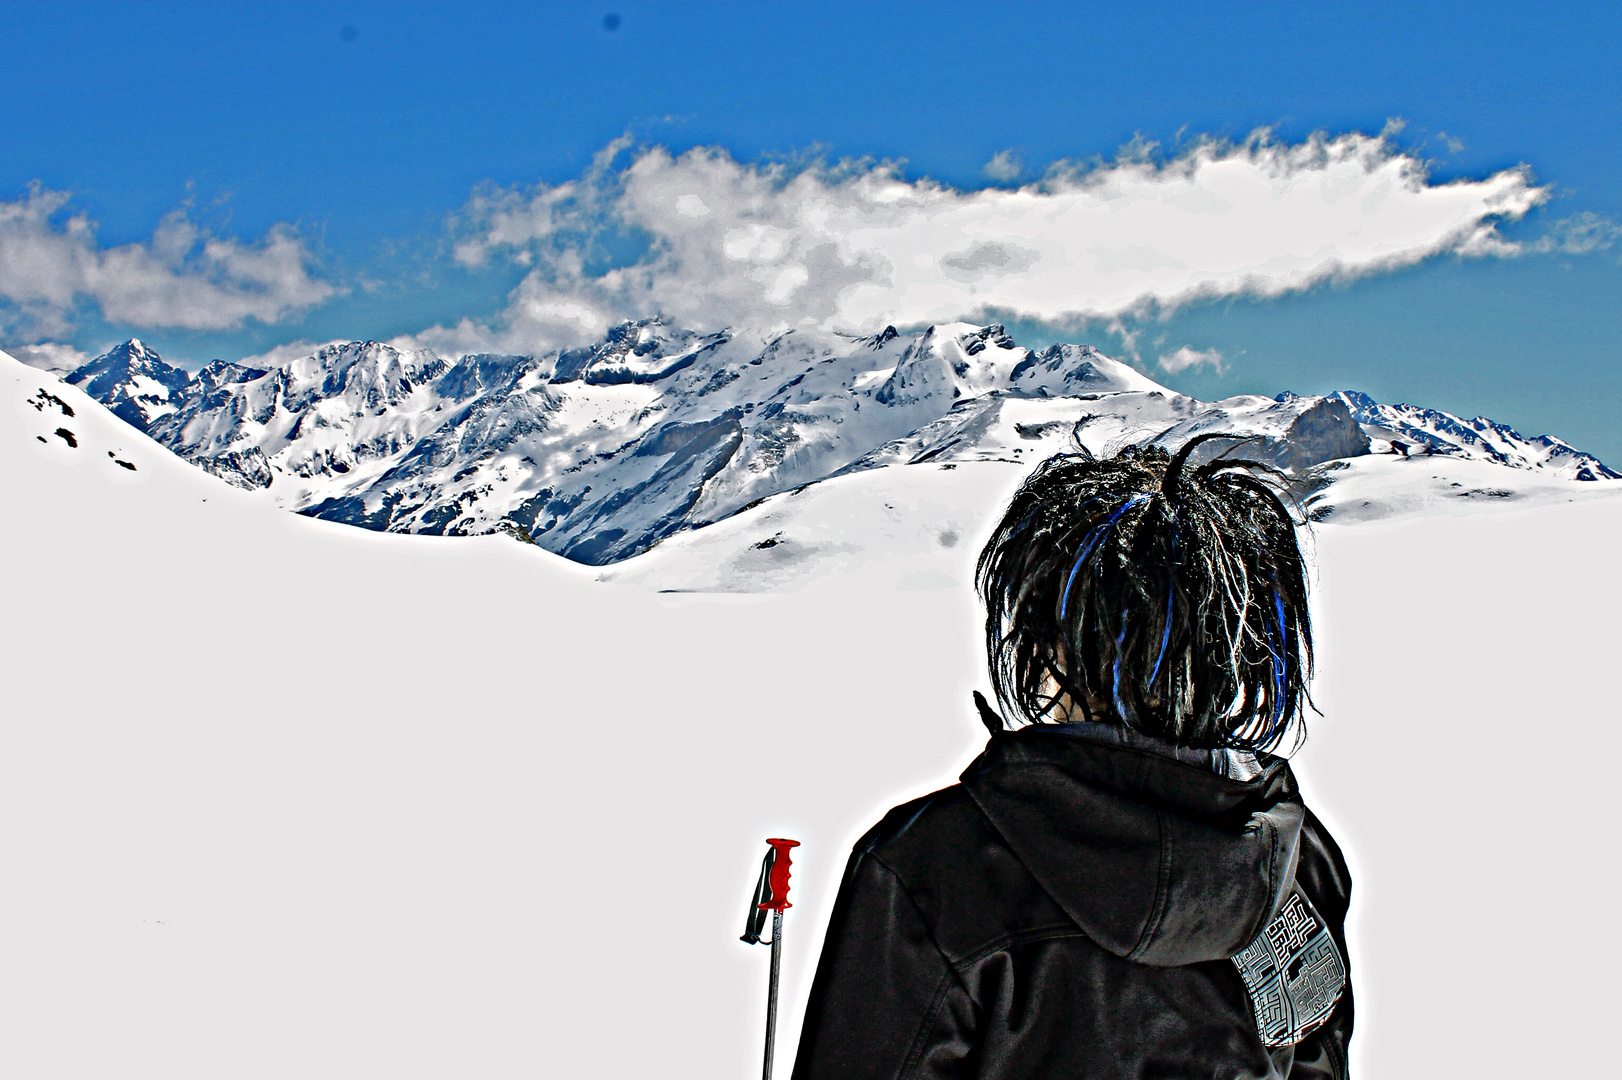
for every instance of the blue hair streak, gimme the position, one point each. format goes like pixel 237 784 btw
pixel 1273 647
pixel 1115 675
pixel 1165 633
pixel 1094 539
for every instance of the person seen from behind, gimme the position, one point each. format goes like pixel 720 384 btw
pixel 1126 883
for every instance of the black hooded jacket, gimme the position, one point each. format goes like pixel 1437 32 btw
pixel 1072 909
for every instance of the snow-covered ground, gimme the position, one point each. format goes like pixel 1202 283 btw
pixel 281 797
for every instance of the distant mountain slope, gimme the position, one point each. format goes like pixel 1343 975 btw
pixel 1431 432
pixel 600 453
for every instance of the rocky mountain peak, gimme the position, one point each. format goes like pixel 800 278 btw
pixel 132 380
pixel 600 452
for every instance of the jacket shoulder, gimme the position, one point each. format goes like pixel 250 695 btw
pixel 922 822
pixel 968 885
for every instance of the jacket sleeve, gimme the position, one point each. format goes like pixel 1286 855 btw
pixel 885 1003
pixel 1323 875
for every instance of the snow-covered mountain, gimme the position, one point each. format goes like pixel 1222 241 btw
pixel 133 381
pixel 600 453
pixel 1409 429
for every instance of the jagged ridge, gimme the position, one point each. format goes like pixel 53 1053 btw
pixel 599 453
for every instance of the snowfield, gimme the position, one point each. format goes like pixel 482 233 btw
pixel 282 797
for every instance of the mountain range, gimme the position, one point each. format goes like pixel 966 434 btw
pixel 599 453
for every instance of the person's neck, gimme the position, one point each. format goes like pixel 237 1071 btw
pixel 1066 710
pixel 1102 720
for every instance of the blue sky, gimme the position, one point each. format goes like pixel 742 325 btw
pixel 223 180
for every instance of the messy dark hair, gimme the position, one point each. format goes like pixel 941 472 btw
pixel 1174 593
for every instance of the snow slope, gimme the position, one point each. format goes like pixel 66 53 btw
pixel 918 526
pixel 283 797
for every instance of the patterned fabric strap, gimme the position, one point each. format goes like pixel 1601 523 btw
pixel 1293 973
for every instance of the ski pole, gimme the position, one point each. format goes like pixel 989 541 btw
pixel 771 894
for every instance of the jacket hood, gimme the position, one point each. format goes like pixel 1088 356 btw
pixel 1156 859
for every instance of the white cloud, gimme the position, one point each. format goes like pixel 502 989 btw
pixel 512 220
pixel 855 245
pixel 1185 358
pixel 184 278
pixel 470 337
pixel 49 356
pixel 1579 234
pixel 1004 165
pixel 282 355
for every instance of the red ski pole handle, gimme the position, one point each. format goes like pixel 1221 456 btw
pixel 779 876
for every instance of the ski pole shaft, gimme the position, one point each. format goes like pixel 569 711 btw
pixel 776 874
pixel 771 992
